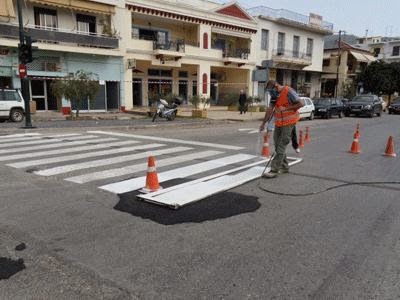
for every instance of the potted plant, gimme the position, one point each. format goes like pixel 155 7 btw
pixel 78 88
pixel 200 106
pixel 252 103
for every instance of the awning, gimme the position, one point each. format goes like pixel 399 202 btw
pixel 80 5
pixel 231 33
pixel 7 10
pixel 363 57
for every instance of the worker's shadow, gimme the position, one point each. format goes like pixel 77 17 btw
pixel 220 206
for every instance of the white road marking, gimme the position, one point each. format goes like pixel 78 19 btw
pixel 57 145
pixel 177 141
pixel 140 167
pixel 137 183
pixel 110 161
pixel 245 129
pixel 66 150
pixel 49 139
pixel 52 160
pixel 19 139
pixel 18 135
pixel 254 131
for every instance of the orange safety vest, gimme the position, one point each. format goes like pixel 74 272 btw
pixel 289 117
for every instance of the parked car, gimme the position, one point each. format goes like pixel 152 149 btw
pixel 328 107
pixel 394 107
pixel 368 105
pixel 12 106
pixel 308 110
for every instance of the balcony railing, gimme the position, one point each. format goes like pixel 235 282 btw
pixel 286 14
pixel 291 54
pixel 240 53
pixel 57 35
pixel 175 46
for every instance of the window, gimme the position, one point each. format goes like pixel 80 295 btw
pixel 377 51
pixel 150 35
pixel 326 62
pixel 205 40
pixel 45 17
pixel 296 46
pixel 264 39
pixel 396 51
pixel 9 96
pixel 310 46
pixel 281 43
pixel 163 73
pixel 219 44
pixel 183 74
pixel 308 77
pixel 86 24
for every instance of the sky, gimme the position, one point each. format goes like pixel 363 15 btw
pixel 380 17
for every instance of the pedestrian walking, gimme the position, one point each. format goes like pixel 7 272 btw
pixel 286 116
pixel 242 102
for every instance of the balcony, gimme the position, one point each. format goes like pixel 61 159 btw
pixel 57 35
pixel 169 49
pixel 293 59
pixel 238 56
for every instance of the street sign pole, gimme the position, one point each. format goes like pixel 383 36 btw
pixel 22 66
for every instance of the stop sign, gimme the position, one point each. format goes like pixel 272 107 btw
pixel 22 71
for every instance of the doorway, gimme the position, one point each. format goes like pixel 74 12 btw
pixel 183 90
pixel 112 92
pixel 137 92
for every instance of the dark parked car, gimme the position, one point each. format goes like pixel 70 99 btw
pixel 368 105
pixel 394 107
pixel 327 107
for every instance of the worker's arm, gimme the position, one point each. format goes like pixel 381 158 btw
pixel 267 117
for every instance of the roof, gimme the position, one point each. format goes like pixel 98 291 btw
pixel 235 10
pixel 331 42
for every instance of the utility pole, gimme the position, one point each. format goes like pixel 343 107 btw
pixel 22 67
pixel 338 63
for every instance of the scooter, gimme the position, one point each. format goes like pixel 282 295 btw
pixel 164 110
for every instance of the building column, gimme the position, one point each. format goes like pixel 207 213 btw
pixel 203 80
pixel 127 99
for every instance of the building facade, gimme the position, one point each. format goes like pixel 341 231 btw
pixel 289 49
pixel 69 36
pixel 386 49
pixel 341 67
pixel 186 48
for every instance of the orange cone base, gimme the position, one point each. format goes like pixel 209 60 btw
pixel 147 191
pixel 355 148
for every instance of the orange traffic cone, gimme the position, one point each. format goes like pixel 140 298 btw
pixel 301 143
pixel 152 184
pixel 307 137
pixel 355 146
pixel 390 148
pixel 265 148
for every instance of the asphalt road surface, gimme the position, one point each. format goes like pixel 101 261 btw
pixel 79 241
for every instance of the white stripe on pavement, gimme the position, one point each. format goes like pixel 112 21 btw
pixel 66 150
pixel 52 160
pixel 18 135
pixel 106 162
pixel 48 139
pixel 58 145
pixel 33 138
pixel 177 141
pixel 245 129
pixel 137 183
pixel 140 167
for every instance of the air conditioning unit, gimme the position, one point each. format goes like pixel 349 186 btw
pixel 132 63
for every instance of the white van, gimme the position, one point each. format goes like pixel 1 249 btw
pixel 12 105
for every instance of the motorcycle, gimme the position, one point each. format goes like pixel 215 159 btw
pixel 164 110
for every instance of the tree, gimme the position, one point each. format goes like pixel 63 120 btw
pixel 381 78
pixel 77 88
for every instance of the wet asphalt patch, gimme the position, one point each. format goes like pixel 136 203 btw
pixel 10 267
pixel 221 206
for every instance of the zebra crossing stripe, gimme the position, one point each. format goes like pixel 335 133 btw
pixel 137 183
pixel 49 140
pixel 36 137
pixel 140 167
pixel 106 162
pixel 57 145
pixel 167 140
pixel 53 160
pixel 18 135
pixel 66 150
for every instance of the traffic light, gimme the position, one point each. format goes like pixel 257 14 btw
pixel 25 51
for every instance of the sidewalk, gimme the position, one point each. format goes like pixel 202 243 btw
pixel 213 113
